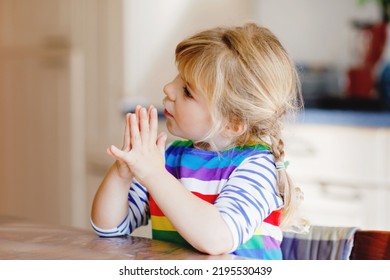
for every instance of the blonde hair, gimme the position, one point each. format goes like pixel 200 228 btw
pixel 250 79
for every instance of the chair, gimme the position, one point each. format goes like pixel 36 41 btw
pixel 319 243
pixel 371 245
pixel 336 243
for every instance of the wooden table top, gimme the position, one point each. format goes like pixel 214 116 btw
pixel 25 240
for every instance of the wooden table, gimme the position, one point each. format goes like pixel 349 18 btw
pixel 25 240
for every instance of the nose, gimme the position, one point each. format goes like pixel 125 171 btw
pixel 169 91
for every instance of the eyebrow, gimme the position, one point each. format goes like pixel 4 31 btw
pixel 189 87
pixel 193 92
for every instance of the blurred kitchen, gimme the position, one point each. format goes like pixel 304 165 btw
pixel 70 69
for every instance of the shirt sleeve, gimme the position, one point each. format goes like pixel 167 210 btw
pixel 248 197
pixel 138 214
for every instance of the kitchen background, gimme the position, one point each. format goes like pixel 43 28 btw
pixel 70 69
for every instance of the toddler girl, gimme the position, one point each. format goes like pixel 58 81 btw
pixel 224 187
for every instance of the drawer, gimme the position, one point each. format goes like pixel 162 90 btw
pixel 342 153
pixel 336 205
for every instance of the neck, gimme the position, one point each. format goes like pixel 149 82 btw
pixel 203 146
pixel 213 147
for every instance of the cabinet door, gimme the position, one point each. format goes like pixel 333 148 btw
pixel 337 154
pixel 337 205
pixel 41 162
pixel 344 173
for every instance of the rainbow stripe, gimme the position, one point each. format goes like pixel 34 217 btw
pixel 162 229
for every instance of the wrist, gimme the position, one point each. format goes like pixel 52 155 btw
pixel 119 177
pixel 155 178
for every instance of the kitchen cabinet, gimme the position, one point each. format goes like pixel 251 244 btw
pixel 61 80
pixel 41 111
pixel 344 172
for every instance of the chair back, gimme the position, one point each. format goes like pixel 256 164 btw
pixel 371 245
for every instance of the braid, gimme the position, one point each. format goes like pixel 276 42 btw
pixel 292 196
pixel 277 147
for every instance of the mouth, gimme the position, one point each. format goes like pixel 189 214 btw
pixel 167 114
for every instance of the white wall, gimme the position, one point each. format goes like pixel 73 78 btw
pixel 316 31
pixel 153 28
pixel 313 31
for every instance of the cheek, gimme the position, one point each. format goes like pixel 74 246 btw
pixel 194 119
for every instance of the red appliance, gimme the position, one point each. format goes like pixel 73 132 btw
pixel 361 78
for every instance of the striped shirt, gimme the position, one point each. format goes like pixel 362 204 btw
pixel 240 182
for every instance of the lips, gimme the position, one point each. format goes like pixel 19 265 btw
pixel 167 114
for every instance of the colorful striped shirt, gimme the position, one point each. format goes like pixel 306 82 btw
pixel 240 182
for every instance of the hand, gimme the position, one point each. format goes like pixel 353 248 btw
pixel 143 152
pixel 123 170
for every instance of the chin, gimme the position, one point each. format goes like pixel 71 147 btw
pixel 170 129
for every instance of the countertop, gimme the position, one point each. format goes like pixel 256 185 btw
pixel 26 240
pixel 345 117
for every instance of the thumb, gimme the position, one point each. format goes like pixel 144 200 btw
pixel 160 142
pixel 116 153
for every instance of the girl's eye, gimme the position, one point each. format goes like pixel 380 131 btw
pixel 187 93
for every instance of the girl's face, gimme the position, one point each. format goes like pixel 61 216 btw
pixel 186 111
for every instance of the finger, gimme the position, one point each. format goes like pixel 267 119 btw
pixel 137 112
pixel 149 109
pixel 144 125
pixel 153 123
pixel 161 140
pixel 116 153
pixel 134 131
pixel 110 153
pixel 126 137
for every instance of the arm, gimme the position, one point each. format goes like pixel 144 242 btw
pixel 137 213
pixel 110 204
pixel 198 221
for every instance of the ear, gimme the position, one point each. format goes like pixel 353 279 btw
pixel 234 129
